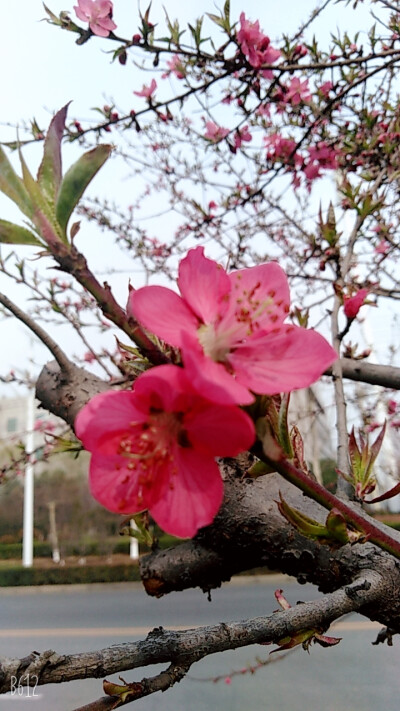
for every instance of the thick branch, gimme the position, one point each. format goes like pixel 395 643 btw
pixel 64 394
pixel 189 646
pixel 250 532
pixel 385 375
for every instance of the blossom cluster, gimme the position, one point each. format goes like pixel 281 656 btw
pixel 154 447
pixel 256 46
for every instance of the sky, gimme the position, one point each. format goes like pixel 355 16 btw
pixel 42 69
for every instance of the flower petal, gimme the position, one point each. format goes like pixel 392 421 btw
pixel 259 298
pixel 203 284
pixel 211 379
pixel 106 414
pixel 102 27
pixel 118 488
pixel 163 312
pixel 288 359
pixel 166 388
pixel 219 430
pixel 81 14
pixel 193 497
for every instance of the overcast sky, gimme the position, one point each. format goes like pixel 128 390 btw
pixel 42 69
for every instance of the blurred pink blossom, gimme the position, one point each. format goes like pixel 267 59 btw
pixel 352 304
pixel 175 66
pixel 256 46
pixel 214 132
pixel 147 91
pixel 297 92
pixel 98 13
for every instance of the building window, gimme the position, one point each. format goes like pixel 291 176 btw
pixel 12 424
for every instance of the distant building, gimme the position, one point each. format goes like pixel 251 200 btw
pixel 14 425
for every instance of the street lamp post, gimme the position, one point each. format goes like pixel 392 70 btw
pixel 27 538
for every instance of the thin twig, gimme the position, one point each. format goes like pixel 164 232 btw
pixel 62 360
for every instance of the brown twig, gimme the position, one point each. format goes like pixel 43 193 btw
pixel 62 360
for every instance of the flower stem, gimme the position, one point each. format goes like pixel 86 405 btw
pixel 318 493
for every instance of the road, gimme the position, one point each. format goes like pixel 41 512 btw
pixel 354 675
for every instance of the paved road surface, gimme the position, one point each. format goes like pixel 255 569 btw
pixel 355 675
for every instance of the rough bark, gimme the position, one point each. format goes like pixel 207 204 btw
pixel 250 532
pixel 64 394
pixel 184 648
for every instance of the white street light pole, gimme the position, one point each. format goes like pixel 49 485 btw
pixel 27 539
pixel 134 543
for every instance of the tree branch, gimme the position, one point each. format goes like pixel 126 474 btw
pixel 64 394
pixel 183 648
pixel 249 532
pixel 385 375
pixel 62 360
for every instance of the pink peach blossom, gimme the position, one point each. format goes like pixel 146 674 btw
pixel 382 247
pixel 352 304
pixel 281 148
pixel 147 91
pixel 175 66
pixel 215 133
pixel 231 330
pixel 154 448
pixel 325 89
pixel 242 135
pixel 297 92
pixel 98 13
pixel 256 46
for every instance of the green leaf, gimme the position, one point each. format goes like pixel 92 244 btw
pixel 50 171
pixel 337 527
pixel 259 469
pixel 43 215
pixel 283 431
pixel 304 524
pixel 227 9
pixel 53 18
pixel 14 234
pixel 220 21
pixel 76 180
pixel 12 186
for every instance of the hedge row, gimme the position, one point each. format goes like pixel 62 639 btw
pixel 68 576
pixel 9 551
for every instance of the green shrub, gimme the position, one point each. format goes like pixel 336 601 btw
pixel 9 551
pixel 68 576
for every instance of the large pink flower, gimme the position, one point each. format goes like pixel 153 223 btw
pixel 98 13
pixel 154 448
pixel 231 330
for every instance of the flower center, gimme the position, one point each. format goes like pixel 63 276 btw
pixel 149 448
pixel 215 345
pixel 153 439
